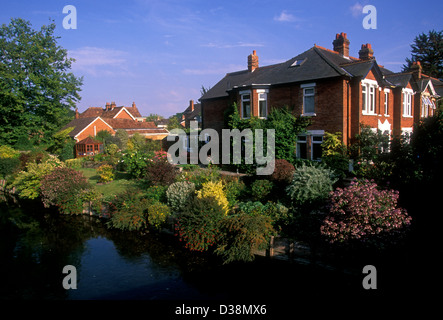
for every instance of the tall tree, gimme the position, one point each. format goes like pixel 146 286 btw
pixel 428 49
pixel 37 91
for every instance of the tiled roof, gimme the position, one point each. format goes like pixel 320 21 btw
pixel 78 125
pixel 103 113
pixel 315 63
pixel 129 124
pixel 89 140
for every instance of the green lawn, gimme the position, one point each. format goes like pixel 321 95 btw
pixel 121 182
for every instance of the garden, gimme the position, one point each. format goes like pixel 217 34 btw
pixel 134 187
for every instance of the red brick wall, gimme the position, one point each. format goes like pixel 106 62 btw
pixel 213 113
pixel 124 115
pixel 89 131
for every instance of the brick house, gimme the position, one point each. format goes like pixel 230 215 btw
pixel 112 118
pixel 338 91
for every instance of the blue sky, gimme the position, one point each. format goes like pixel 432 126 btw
pixel 159 53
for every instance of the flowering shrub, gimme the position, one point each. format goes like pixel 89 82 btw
pixel 28 182
pixel 62 188
pixel 128 211
pixel 160 172
pixel 198 226
pixel 360 211
pixel 215 190
pixel 135 163
pixel 158 213
pixel 241 235
pixel 283 171
pixel 179 193
pixel 106 173
pixel 200 176
pixel 260 189
pixel 310 184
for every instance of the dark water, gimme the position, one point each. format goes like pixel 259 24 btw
pixel 36 243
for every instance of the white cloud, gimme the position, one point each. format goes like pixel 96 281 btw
pixel 286 17
pixel 99 61
pixel 356 10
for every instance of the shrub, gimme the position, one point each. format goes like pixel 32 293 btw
pixel 128 211
pixel 277 212
pixel 62 188
pixel 234 190
pixel 28 182
pixel 106 173
pixel 33 156
pixel 198 226
pixel 158 213
pixel 156 193
pixel 283 171
pixel 361 211
pixel 334 153
pixel 242 235
pixel 8 152
pixel 160 172
pixel 179 193
pixel 74 163
pixel 200 176
pixel 260 189
pixel 8 166
pixel 310 184
pixel 135 163
pixel 215 190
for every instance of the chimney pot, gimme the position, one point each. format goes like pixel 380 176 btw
pixel 252 61
pixel 341 44
pixel 133 104
pixel 366 52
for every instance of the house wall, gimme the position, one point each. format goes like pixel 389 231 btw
pixel 213 113
pixel 124 115
pixel 89 131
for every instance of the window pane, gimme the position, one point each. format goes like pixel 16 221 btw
pixel 309 91
pixel 246 109
pixel 262 107
pixel 309 104
pixel 316 151
pixel 302 150
pixel 317 138
pixel 301 138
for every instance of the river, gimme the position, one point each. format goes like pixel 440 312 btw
pixel 36 243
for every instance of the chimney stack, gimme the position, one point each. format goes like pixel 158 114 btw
pixel 417 69
pixel 341 44
pixel 112 105
pixel 191 104
pixel 108 107
pixel 366 52
pixel 133 104
pixel 76 114
pixel 252 61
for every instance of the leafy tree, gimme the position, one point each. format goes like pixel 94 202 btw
pixel 428 49
pixel 153 117
pixel 37 91
pixel 174 123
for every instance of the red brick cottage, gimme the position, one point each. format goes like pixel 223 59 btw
pixel 338 91
pixel 111 118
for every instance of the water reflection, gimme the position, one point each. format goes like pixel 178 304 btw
pixel 36 243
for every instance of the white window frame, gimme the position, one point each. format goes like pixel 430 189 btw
pixel 263 96
pixel 407 102
pixel 368 87
pixel 386 103
pixel 243 94
pixel 305 87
